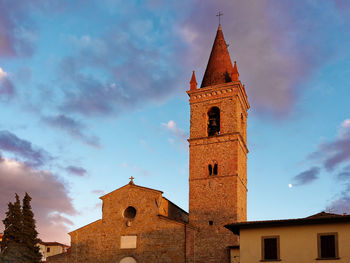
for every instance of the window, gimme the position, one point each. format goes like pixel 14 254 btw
pixel 215 170
pixel 128 260
pixel 211 223
pixel 327 245
pixel 270 248
pixel 214 121
pixel 210 169
pixel 47 249
pixel 130 212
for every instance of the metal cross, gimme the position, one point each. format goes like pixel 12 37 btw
pixel 219 15
pixel 131 179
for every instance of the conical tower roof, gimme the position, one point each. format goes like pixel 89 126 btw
pixel 219 69
pixel 193 81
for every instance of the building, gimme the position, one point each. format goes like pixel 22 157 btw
pixel 48 249
pixel 323 236
pixel 140 225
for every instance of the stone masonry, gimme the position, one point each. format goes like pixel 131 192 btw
pixel 216 199
pixel 140 225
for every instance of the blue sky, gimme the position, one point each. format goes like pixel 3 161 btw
pixel 93 92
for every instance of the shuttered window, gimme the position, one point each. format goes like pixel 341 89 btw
pixel 270 248
pixel 328 245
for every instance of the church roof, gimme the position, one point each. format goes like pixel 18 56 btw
pixel 131 184
pixel 219 69
pixel 320 218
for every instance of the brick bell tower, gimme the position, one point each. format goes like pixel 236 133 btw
pixel 218 155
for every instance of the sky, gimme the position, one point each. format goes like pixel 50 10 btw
pixel 94 92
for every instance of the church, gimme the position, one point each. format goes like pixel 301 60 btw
pixel 140 225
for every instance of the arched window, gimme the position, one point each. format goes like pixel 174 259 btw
pixel 128 260
pixel 214 121
pixel 215 170
pixel 210 169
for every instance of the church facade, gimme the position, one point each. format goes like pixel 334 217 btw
pixel 140 225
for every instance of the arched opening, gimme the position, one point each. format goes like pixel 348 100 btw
pixel 214 121
pixel 128 260
pixel 130 212
pixel 215 170
pixel 210 169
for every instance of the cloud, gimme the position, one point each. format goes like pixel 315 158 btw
pixel 50 200
pixel 126 66
pixel 122 73
pixel 72 127
pixel 3 74
pixel 176 131
pixel 18 29
pixel 179 134
pixel 7 90
pixel 278 45
pixel 75 170
pixel 150 58
pixel 15 26
pixel 136 170
pixel 341 204
pixel 307 176
pixel 333 154
pixel 98 192
pixel 32 155
pixel 344 175
pixel 337 151
pixel 145 144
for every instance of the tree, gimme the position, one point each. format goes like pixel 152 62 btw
pixel 29 233
pixel 19 243
pixel 11 246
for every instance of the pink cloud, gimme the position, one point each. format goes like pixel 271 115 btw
pixel 50 200
pixel 278 45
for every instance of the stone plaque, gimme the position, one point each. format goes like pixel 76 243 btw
pixel 128 242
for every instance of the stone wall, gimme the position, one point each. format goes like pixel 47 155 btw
pixel 216 200
pixel 159 238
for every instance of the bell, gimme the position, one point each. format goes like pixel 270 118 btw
pixel 213 123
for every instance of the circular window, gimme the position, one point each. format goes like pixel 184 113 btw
pixel 130 212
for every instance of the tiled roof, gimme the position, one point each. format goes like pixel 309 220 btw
pixel 53 244
pixel 219 69
pixel 320 218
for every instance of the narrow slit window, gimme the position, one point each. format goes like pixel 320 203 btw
pixel 210 169
pixel 215 170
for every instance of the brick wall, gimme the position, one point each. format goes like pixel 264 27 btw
pixel 216 200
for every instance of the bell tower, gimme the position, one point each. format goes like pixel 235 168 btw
pixel 218 155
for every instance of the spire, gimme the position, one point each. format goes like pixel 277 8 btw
pixel 193 81
pixel 219 69
pixel 235 74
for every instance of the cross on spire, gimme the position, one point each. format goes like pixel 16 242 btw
pixel 131 180
pixel 219 15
